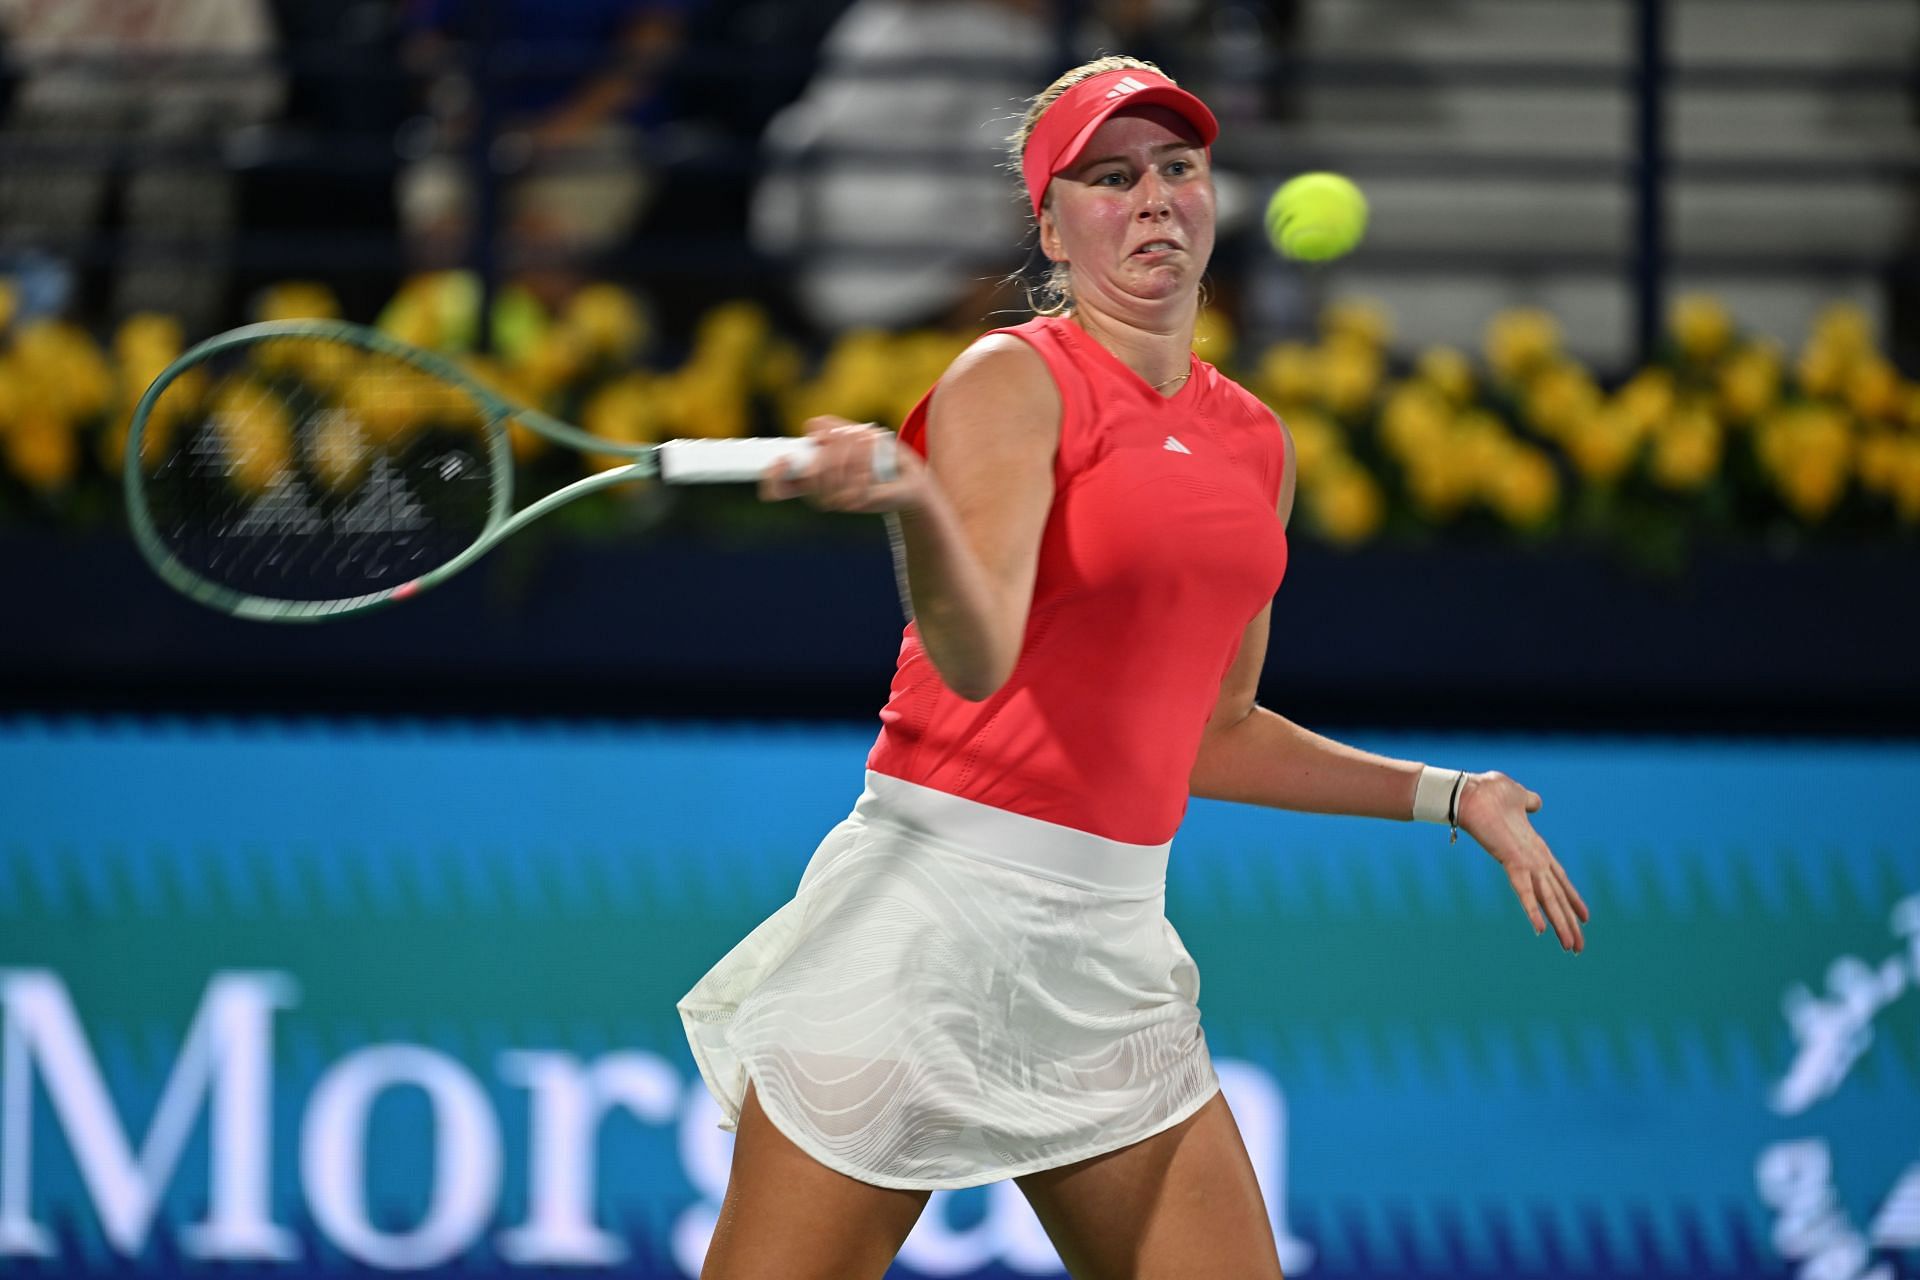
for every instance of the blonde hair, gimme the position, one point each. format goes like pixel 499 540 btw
pixel 1054 296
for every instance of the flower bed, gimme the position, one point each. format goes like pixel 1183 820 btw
pixel 1725 437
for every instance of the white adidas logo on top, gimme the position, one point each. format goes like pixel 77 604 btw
pixel 1125 87
pixel 1174 446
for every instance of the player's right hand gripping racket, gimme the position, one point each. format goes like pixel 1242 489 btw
pixel 301 470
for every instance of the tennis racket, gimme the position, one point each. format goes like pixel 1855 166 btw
pixel 302 470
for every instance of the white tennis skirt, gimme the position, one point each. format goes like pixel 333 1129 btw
pixel 958 994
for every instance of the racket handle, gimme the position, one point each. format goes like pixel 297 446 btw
pixel 742 461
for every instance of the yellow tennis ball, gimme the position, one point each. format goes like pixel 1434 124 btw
pixel 1316 216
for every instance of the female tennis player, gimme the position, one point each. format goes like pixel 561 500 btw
pixel 976 979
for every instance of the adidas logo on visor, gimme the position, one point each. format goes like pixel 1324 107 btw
pixel 1125 87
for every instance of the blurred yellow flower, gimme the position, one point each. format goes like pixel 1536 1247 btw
pixel 608 321
pixel 1749 382
pixel 1439 480
pixel 1687 449
pixel 1317 443
pixel 456 410
pixel 386 401
pixel 1809 452
pixel 1361 319
pixel 1290 374
pixel 1702 326
pixel 1449 371
pixel 520 319
pixel 1482 442
pixel 1560 394
pixel 68 373
pixel 697 403
pixel 1414 419
pixel 781 367
pixel 255 430
pixel 803 403
pixel 1878 460
pixel 41 451
pixel 554 361
pixel 184 399
pixel 439 310
pixel 148 338
pixel 920 358
pixel 857 377
pixel 13 400
pixel 1906 482
pixel 1845 327
pixel 1526 488
pixel 1603 444
pixel 738 329
pixel 1345 504
pixel 1822 368
pixel 338 453
pixel 328 367
pixel 526 443
pixel 626 410
pixel 1646 398
pixel 1519 341
pixel 411 318
pixel 1873 388
pixel 1350 376
pixel 1214 339
pixel 297 300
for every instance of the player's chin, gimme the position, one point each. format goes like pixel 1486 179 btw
pixel 1159 281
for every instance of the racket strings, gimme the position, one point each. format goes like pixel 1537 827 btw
pixel 305 469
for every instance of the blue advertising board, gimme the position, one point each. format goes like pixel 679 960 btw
pixel 312 997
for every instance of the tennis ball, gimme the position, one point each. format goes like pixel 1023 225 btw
pixel 1316 216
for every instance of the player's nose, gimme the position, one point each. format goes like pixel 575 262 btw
pixel 1153 195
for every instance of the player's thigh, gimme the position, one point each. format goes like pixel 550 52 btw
pixel 1181 1205
pixel 786 1216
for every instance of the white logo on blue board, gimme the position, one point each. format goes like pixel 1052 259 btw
pixel 1831 1033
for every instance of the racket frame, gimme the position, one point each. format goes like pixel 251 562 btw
pixel 496 412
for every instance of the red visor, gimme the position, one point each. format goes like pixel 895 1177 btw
pixel 1070 120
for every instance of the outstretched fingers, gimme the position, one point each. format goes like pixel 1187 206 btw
pixel 1573 894
pixel 1546 904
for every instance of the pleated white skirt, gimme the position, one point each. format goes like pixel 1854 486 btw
pixel 958 994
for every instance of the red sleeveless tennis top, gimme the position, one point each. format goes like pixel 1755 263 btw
pixel 1162 545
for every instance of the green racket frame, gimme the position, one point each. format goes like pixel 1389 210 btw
pixel 737 461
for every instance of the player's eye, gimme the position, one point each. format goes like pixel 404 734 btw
pixel 1111 178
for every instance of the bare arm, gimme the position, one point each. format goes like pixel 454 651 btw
pixel 970 520
pixel 1254 756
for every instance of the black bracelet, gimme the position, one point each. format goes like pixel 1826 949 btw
pixel 1453 808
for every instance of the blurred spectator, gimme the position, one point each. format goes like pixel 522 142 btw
pixel 575 86
pixel 145 92
pixel 886 186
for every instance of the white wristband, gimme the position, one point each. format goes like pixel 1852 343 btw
pixel 1433 798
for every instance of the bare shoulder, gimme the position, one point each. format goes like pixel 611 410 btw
pixel 1000 356
pixel 998 390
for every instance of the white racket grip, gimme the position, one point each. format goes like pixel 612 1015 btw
pixel 742 461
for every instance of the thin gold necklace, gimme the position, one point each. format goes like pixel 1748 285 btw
pixel 1178 377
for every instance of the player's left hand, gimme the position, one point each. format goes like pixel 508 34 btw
pixel 1493 810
